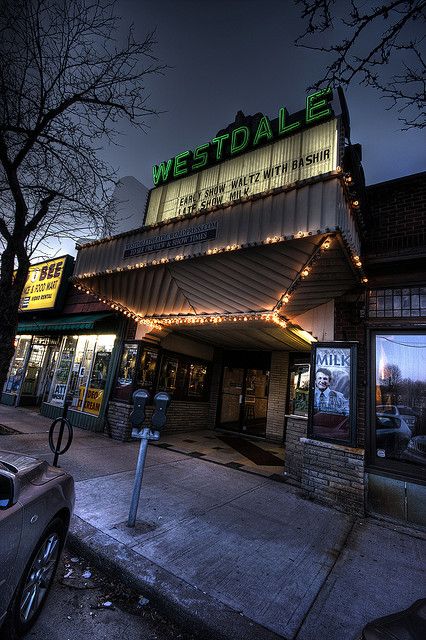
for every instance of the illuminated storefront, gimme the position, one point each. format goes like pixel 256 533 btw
pixel 246 289
pixel 62 355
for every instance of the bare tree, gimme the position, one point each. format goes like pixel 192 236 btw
pixel 381 46
pixel 391 383
pixel 65 83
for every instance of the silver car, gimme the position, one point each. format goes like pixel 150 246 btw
pixel 36 503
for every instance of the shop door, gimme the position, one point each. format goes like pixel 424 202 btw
pixel 47 374
pixel 28 395
pixel 244 401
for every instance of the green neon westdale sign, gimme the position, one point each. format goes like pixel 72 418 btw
pixel 243 138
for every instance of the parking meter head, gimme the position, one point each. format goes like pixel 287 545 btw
pixel 140 398
pixel 161 404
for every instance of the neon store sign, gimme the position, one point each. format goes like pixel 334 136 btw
pixel 242 138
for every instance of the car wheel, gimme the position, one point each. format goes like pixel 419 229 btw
pixel 35 583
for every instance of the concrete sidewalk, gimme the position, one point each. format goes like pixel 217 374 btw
pixel 230 554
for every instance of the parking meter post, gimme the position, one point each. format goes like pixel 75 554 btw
pixel 137 417
pixel 144 437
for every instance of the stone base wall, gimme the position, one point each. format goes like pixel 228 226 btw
pixel 334 474
pixel 181 417
pixel 296 430
pixel 118 420
pixel 277 396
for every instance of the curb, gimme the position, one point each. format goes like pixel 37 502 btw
pixel 191 608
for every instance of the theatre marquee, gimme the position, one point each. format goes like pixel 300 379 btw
pixel 304 154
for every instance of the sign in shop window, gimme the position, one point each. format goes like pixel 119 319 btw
pixel 399 405
pixel 63 371
pixel 17 367
pixel 332 408
pixel 82 371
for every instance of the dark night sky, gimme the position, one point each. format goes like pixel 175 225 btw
pixel 227 55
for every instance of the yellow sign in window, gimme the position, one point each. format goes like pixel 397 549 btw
pixel 93 401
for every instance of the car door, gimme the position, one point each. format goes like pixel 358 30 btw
pixel 10 538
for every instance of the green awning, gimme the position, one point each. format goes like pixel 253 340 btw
pixel 77 322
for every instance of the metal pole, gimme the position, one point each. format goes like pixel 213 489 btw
pixel 138 477
pixel 61 433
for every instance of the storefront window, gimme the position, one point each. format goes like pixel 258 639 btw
pixel 81 372
pixel 148 366
pixel 168 374
pixel 63 371
pixel 299 389
pixel 95 363
pixel 17 367
pixel 197 380
pixel 400 398
pixel 142 367
pixel 127 372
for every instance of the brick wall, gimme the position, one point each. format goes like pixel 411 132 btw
pixel 277 396
pixel 118 420
pixel 334 475
pixel 397 215
pixel 80 302
pixel 215 388
pixel 295 430
pixel 181 417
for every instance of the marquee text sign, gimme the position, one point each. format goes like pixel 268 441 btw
pixel 180 238
pixel 303 155
pixel 242 138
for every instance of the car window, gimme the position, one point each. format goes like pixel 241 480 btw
pixel 385 422
pixel 386 408
pixel 6 492
pixel 407 411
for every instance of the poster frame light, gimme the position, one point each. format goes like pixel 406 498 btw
pixel 332 415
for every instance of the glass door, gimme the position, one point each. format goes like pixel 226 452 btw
pixel 232 395
pixel 32 375
pixel 255 402
pixel 46 377
pixel 244 401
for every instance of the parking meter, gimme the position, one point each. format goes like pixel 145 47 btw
pixel 137 417
pixel 161 404
pixel 144 434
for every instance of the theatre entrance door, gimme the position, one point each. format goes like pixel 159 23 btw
pixel 244 400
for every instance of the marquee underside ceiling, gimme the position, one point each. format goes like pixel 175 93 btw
pixel 255 336
pixel 243 281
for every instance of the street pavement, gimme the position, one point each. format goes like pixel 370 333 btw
pixel 229 554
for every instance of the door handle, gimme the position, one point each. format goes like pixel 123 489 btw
pixel 240 400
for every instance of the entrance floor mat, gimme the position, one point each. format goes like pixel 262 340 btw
pixel 252 451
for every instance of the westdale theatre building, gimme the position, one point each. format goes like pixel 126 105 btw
pixel 264 294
